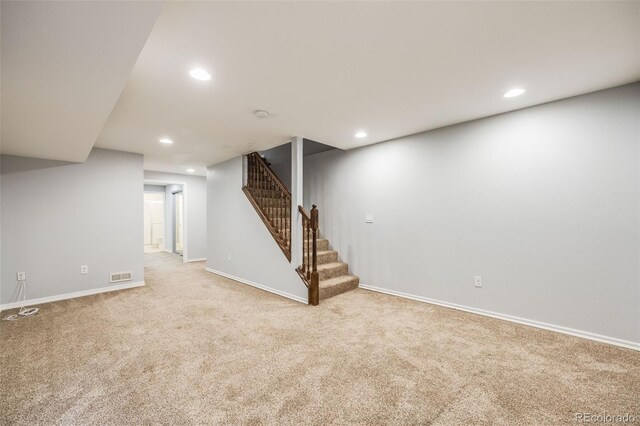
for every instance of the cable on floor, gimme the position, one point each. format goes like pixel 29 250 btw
pixel 24 311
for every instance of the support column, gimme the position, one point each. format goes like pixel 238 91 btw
pixel 297 159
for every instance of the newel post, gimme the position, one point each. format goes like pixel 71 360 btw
pixel 314 285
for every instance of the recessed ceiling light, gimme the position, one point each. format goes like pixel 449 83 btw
pixel 190 171
pixel 513 93
pixel 166 141
pixel 200 74
pixel 361 134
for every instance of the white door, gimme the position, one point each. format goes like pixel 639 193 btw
pixel 153 220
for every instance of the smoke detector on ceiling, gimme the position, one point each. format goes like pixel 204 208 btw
pixel 261 113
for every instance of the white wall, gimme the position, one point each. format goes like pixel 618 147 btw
pixel 235 229
pixel 154 188
pixel 57 216
pixel 196 211
pixel 279 159
pixel 543 203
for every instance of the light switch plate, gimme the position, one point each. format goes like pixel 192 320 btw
pixel 477 281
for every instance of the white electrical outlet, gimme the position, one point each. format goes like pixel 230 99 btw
pixel 368 218
pixel 229 257
pixel 84 269
pixel 477 281
pixel 21 276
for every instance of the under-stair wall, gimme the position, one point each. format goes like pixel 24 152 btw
pixel 238 243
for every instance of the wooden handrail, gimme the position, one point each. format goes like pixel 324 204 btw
pixel 273 175
pixel 271 200
pixel 304 213
pixel 308 271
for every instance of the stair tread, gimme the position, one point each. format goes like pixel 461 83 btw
pixel 337 280
pixel 320 252
pixel 331 265
pixel 337 285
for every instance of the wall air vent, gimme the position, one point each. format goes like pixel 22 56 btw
pixel 117 277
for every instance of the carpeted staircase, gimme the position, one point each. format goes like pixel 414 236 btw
pixel 272 201
pixel 334 277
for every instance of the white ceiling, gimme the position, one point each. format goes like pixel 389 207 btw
pixel 325 70
pixel 64 65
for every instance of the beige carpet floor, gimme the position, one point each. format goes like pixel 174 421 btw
pixel 194 348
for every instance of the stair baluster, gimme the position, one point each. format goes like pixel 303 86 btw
pixel 270 198
pixel 314 287
pixel 321 271
pixel 308 271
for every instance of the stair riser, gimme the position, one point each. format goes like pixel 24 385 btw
pixel 322 244
pixel 333 272
pixel 327 257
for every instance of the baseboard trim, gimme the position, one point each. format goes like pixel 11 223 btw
pixel 198 259
pixel 532 323
pixel 75 294
pixel 260 286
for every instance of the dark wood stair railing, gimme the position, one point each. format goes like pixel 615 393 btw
pixel 270 198
pixel 272 201
pixel 308 271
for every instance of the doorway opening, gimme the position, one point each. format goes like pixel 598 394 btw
pixel 165 217
pixel 153 222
